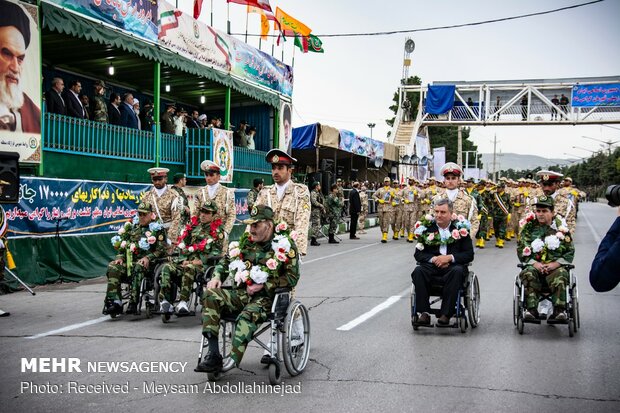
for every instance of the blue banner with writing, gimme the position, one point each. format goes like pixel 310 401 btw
pixel 596 95
pixel 138 17
pixel 71 207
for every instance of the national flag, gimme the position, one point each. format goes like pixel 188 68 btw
pixel 302 43
pixel 168 20
pixel 197 8
pixel 309 44
pixel 289 25
pixel 261 4
pixel 265 16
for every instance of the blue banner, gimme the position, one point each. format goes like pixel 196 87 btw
pixel 77 207
pixel 439 99
pixel 596 95
pixel 138 17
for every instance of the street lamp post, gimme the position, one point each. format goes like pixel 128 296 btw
pixel 584 149
pixel 609 143
pixel 371 125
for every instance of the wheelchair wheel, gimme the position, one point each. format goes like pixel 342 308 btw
pixel 463 324
pixel 520 325
pixel 295 340
pixel 414 314
pixel 165 317
pixel 473 301
pixel 516 300
pixel 274 374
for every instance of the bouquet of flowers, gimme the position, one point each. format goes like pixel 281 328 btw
pixel 122 241
pixel 544 250
pixel 184 240
pixel 426 238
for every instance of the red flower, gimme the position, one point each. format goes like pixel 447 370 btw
pixel 194 221
pixel 202 245
pixel 248 281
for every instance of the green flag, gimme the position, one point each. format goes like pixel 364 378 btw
pixel 315 44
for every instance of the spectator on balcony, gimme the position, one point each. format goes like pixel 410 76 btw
pixel 146 116
pixel 564 104
pixel 524 107
pixel 240 136
pixel 167 119
pixel 128 115
pixel 179 122
pixel 202 121
pixel 136 110
pixel 99 107
pixel 215 123
pixel 17 111
pixel 53 98
pixel 86 105
pixel 72 100
pixel 498 105
pixel 114 113
pixel 192 122
pixel 554 111
pixel 250 138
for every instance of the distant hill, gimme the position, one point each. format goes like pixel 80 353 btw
pixel 519 162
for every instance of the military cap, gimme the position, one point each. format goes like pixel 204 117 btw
pixel 339 180
pixel 14 15
pixel 387 179
pixel 99 83
pixel 243 122
pixel 209 166
pixel 278 157
pixel 315 183
pixel 171 105
pixel 569 179
pixel 451 168
pixel 545 201
pixel 257 181
pixel 209 207
pixel 145 207
pixel 521 180
pixel 178 176
pixel 259 213
pixel 549 176
pixel 432 178
pixel 158 171
pixel 470 179
pixel 503 179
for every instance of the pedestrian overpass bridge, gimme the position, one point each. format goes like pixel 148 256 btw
pixel 508 103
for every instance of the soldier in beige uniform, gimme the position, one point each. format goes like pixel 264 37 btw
pixel 166 203
pixel 289 201
pixel 411 198
pixel 397 212
pixel 364 212
pixel 463 203
pixel 383 196
pixel 429 193
pixel 563 205
pixel 215 193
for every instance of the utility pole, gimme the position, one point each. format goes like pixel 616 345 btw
pixel 459 154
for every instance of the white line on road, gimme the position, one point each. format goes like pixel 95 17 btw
pixel 359 320
pixel 339 253
pixel 597 238
pixel 71 327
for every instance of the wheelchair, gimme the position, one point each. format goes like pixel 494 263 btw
pixel 288 325
pixel 146 295
pixel 195 298
pixel 467 303
pixel 572 303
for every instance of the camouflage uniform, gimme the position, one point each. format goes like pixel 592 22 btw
pixel 293 208
pixel 558 279
pixel 410 197
pixel 253 309
pixel 167 214
pixel 251 198
pixel 397 212
pixel 175 269
pixel 499 213
pixel 180 204
pixel 334 209
pixel 481 202
pixel 383 196
pixel 100 109
pixel 318 209
pixel 566 208
pixel 224 199
pixel 364 211
pixel 118 273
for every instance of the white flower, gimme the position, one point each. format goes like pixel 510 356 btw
pixel 181 246
pixel 121 231
pixel 233 245
pixel 563 229
pixel 419 246
pixel 552 242
pixel 560 235
pixel 209 241
pixel 236 266
pixel 123 244
pixel 280 242
pixel 537 245
pixel 428 217
pixel 258 275
pixel 234 253
pixel 191 249
pixel 241 276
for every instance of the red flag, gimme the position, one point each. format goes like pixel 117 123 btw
pixel 197 8
pixel 261 4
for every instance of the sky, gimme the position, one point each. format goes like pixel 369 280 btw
pixel 353 82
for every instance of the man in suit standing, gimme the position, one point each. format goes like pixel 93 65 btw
pixel 128 115
pixel 114 112
pixel 355 207
pixel 53 97
pixel 443 252
pixel 72 101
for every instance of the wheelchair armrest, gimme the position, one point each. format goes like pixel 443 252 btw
pixel 521 265
pixel 283 290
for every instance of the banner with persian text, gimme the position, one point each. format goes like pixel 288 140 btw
pixel 596 95
pixel 138 17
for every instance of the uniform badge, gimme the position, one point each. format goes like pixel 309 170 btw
pixel 254 211
pixel 248 265
pixel 545 177
pixel 161 237
pixel 275 159
pixel 291 253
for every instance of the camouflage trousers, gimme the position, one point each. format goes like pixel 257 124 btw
pixel 315 223
pixel 333 224
pixel 397 219
pixel 532 283
pixel 184 276
pixel 484 226
pixel 385 218
pixel 253 311
pixel 117 274
pixel 409 219
pixel 361 221
pixel 499 226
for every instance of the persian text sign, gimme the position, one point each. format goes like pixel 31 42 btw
pixel 596 95
pixel 138 17
pixel 77 207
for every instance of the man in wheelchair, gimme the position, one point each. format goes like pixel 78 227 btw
pixel 138 242
pixel 201 239
pixel 545 246
pixel 443 250
pixel 264 259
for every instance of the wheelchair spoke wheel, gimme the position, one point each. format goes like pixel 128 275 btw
pixel 295 340
pixel 516 299
pixel 473 302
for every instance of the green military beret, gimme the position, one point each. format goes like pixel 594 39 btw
pixel 208 207
pixel 145 207
pixel 545 202
pixel 259 213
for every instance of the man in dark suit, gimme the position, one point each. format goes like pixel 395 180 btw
pixel 128 115
pixel 72 100
pixel 114 113
pixel 355 207
pixel 445 263
pixel 604 274
pixel 54 102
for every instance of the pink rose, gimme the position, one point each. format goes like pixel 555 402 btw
pixel 124 244
pixel 281 227
pixel 281 256
pixel 527 251
pixel 560 235
pixel 234 252
pixel 460 218
pixel 147 234
pixel 132 247
pixel 151 240
pixel 272 264
pixel 294 235
pixel 431 236
pixel 455 234
pixel 463 232
pixel 121 231
pixel 453 217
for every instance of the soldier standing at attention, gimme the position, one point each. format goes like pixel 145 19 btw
pixel 182 203
pixel 500 209
pixel 289 201
pixel 397 214
pixel 483 212
pixel 163 200
pixel 100 107
pixel 334 208
pixel 384 197
pixel 563 205
pixel 214 192
pixel 364 212
pixel 410 197
pixel 257 186
pixel 318 209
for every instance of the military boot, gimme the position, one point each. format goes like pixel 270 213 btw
pixel 499 243
pixel 410 238
pixel 395 236
pixel 384 237
pixel 314 242
pixel 480 243
pixel 332 239
pixel 402 232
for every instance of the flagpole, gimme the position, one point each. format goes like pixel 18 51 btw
pixel 246 25
pixel 228 17
pixel 211 13
pixel 273 43
pixel 293 59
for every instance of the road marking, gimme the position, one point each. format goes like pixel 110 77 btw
pixel 359 320
pixel 71 327
pixel 339 253
pixel 597 238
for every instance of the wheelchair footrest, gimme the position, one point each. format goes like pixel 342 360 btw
pixel 532 320
pixel 189 313
pixel 431 325
pixel 554 321
pixel 449 325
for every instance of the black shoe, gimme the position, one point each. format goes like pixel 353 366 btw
pixel 354 238
pixel 332 240
pixel 113 309
pixel 424 319
pixel 212 363
pixel 444 320
pixel 266 359
pixel 132 308
pixel 314 242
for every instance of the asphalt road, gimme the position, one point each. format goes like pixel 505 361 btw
pixel 379 364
